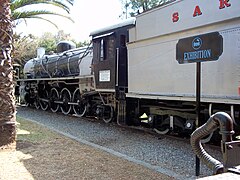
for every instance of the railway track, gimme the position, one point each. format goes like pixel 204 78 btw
pixel 214 144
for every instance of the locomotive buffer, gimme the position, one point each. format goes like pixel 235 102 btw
pixel 197 49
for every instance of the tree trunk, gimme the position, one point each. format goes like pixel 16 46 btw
pixel 7 99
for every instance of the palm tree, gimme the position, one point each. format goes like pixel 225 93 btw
pixel 7 100
pixel 8 110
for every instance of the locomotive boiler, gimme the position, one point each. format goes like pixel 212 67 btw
pixel 130 73
pixel 67 62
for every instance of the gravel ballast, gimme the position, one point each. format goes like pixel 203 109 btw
pixel 169 156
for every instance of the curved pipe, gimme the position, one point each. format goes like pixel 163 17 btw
pixel 225 122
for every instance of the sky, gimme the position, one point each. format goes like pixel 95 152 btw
pixel 88 15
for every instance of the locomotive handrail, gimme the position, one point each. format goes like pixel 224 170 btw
pixel 225 122
pixel 58 78
pixel 117 61
pixel 86 52
pixel 68 65
pixel 44 67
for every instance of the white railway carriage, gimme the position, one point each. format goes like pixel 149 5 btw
pixel 154 73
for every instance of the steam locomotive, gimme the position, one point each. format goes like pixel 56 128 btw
pixel 129 73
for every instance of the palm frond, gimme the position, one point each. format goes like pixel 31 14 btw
pixel 25 9
pixel 41 18
pixel 35 14
pixel 16 4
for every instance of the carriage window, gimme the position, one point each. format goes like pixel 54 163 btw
pixel 123 40
pixel 103 50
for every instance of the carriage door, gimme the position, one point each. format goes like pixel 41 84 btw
pixel 104 62
pixel 122 80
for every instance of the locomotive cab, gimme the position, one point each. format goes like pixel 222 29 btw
pixel 110 69
pixel 110 56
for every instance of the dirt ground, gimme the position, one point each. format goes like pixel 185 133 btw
pixel 42 154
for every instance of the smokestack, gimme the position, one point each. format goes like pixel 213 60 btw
pixel 40 52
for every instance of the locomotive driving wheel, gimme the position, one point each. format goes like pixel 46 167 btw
pixel 108 113
pixel 43 100
pixel 162 130
pixel 105 112
pixel 163 127
pixel 66 97
pixel 79 106
pixel 54 96
pixel 174 124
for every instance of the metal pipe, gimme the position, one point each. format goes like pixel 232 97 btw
pixel 225 122
pixel 117 69
pixel 226 126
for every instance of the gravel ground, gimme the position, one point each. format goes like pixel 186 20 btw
pixel 166 155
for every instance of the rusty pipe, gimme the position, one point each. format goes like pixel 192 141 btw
pixel 219 120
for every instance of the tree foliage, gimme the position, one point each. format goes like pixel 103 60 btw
pixel 48 42
pixel 145 5
pixel 81 44
pixel 134 7
pixel 24 48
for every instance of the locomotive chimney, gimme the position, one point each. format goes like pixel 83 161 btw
pixel 40 52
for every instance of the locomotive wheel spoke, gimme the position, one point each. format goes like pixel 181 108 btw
pixel 27 100
pixel 81 107
pixel 107 114
pixel 66 99
pixel 37 103
pixel 44 100
pixel 54 96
